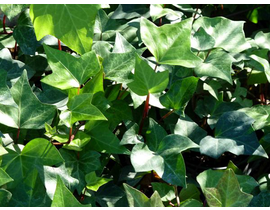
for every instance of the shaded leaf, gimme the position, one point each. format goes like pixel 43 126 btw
pixel 64 198
pixel 234 134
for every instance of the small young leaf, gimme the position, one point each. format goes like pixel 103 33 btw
pixel 94 182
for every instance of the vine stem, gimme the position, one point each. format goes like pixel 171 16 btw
pixel 166 115
pixel 83 195
pixel 4 26
pixel 59 45
pixel 18 135
pixel 145 113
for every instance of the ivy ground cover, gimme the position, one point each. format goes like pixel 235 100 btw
pixel 134 105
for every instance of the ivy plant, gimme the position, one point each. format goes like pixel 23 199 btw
pixel 134 105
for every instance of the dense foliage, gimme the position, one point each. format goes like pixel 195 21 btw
pixel 134 105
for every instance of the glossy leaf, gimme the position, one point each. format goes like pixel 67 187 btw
pixel 164 41
pixel 138 199
pixel 179 94
pixel 94 182
pixel 12 10
pixel 227 34
pixel 131 136
pixel 69 71
pixel 165 191
pixel 213 66
pixel 262 40
pixel 58 20
pixel 38 152
pixel 146 80
pixel 166 160
pixel 227 192
pixel 202 41
pixel 80 108
pixel 4 177
pixel 234 134
pixel 20 108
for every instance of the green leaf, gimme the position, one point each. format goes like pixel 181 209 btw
pixel 69 71
pixel 94 182
pixel 202 41
pixel 165 191
pixel 167 160
pixel 80 140
pixel 146 80
pixel 20 108
pixel 14 68
pixel 262 40
pixel 4 177
pixel 154 134
pixel 131 136
pixel 191 203
pixel 78 164
pixel 38 152
pixel 12 10
pixel 80 108
pixel 30 193
pixel 157 11
pixel 103 140
pixel 179 94
pixel 210 179
pixel 121 45
pixel 138 199
pixel 191 192
pixel 234 134
pixel 130 11
pixel 64 198
pixel 186 127
pixel 213 66
pixel 261 115
pixel 5 196
pixel 261 200
pixel 227 192
pixel 72 24
pixel 164 41
pixel 25 35
pixel 227 34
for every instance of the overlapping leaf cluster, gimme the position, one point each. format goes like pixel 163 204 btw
pixel 133 105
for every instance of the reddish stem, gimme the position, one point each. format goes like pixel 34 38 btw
pixel 145 113
pixel 78 92
pixel 4 26
pixel 18 135
pixel 166 115
pixel 59 45
pixel 160 21
pixel 83 195
pixel 262 98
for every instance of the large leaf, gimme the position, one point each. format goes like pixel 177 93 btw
pixel 72 24
pixel 138 199
pixel 227 192
pixel 213 66
pixel 146 80
pixel 5 196
pixel 261 200
pixel 103 140
pixel 170 43
pixel 179 94
pixel 69 71
pixel 234 134
pixel 167 160
pixel 20 108
pixel 14 68
pixel 227 34
pixel 25 35
pixel 38 152
pixel 78 164
pixel 64 198
pixel 30 193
